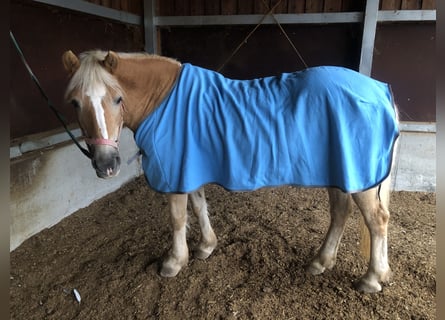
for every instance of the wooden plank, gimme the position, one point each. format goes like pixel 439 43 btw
pixel 428 4
pixel 166 7
pixel 125 5
pixel 407 15
pixel 116 4
pixel 212 7
pixel 281 8
pixel 136 7
pixel 105 3
pixel 228 7
pixel 253 19
pixel 157 7
pixel 296 6
pixel 182 8
pixel 245 6
pixel 197 7
pixel 259 7
pixel 391 4
pixel 332 6
pixel 411 4
pixel 353 5
pixel 314 6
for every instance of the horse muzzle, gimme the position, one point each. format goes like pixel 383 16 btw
pixel 106 162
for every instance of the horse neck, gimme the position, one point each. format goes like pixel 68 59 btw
pixel 146 81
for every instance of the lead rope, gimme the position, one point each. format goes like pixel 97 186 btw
pixel 59 116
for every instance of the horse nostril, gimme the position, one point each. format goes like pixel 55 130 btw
pixel 107 165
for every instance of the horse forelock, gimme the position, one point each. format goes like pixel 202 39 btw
pixel 92 76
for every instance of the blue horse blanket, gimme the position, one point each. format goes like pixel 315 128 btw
pixel 321 127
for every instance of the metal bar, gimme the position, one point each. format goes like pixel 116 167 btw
pixel 94 9
pixel 369 29
pixel 150 27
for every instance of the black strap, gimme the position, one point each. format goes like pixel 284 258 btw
pixel 50 105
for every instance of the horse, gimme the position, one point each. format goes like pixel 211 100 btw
pixel 320 127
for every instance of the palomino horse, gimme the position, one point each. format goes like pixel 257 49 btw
pixel 325 127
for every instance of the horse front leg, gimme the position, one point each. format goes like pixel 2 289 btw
pixel 340 209
pixel 208 238
pixel 376 216
pixel 178 255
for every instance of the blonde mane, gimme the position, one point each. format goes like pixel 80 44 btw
pixel 92 74
pixel 144 55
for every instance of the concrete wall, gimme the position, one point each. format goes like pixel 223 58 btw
pixel 415 166
pixel 48 185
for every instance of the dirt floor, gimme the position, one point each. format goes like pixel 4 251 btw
pixel 110 253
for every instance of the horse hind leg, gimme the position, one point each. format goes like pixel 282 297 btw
pixel 340 209
pixel 178 255
pixel 208 238
pixel 374 208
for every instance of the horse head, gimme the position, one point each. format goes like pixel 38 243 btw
pixel 96 95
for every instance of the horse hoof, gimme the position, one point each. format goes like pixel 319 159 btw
pixel 202 254
pixel 171 267
pixel 367 286
pixel 315 268
pixel 169 271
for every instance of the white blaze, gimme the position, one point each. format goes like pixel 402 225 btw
pixel 96 95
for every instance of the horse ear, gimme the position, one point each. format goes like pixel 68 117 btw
pixel 110 61
pixel 70 62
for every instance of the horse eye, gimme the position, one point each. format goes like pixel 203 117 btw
pixel 118 100
pixel 75 103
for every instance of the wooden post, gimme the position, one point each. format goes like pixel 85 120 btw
pixel 151 37
pixel 369 29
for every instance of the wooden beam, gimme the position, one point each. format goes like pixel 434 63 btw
pixel 95 10
pixel 151 35
pixel 253 19
pixel 369 29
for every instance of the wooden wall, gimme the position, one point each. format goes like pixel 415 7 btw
pixel 226 7
pixel 44 33
pixel 132 6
